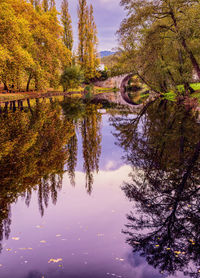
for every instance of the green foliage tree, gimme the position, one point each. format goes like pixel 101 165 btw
pixel 72 77
pixel 149 34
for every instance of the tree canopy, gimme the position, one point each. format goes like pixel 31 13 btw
pixel 31 46
pixel 159 41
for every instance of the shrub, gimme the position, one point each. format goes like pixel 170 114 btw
pixel 71 77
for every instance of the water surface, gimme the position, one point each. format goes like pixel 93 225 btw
pixel 91 195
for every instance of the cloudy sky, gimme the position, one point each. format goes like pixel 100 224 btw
pixel 108 15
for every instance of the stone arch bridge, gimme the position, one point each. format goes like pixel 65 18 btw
pixel 112 82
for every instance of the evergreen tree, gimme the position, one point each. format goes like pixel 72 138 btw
pixel 67 24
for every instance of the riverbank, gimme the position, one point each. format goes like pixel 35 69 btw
pixel 78 92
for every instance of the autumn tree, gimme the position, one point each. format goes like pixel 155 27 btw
pixel 87 50
pixel 15 42
pixel 91 61
pixel 82 8
pixel 52 4
pixel 32 49
pixel 45 5
pixel 67 25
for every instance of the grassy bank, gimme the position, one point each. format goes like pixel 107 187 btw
pixel 77 92
pixel 195 86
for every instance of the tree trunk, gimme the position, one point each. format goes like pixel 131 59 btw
pixel 185 46
pixel 5 87
pixel 192 58
pixel 188 89
pixel 28 82
pixel 36 84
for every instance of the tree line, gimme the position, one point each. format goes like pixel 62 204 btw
pixel 37 43
pixel 160 42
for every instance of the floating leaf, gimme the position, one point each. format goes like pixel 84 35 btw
pixel 15 238
pixel 39 226
pixel 100 234
pixel 54 260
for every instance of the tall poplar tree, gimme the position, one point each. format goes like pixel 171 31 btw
pixel 87 50
pixel 82 13
pixel 45 5
pixel 52 4
pixel 35 3
pixel 91 61
pixel 67 24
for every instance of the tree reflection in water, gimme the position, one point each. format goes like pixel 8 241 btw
pixel 34 149
pixel 32 157
pixel 91 143
pixel 163 147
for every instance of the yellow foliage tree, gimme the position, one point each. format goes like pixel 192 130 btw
pixel 31 45
pixel 87 51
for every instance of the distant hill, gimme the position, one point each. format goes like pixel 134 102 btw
pixel 106 53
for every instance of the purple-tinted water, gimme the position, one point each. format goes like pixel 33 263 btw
pixel 81 235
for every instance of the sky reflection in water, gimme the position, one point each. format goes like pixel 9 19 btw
pixel 82 231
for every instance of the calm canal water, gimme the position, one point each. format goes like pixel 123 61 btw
pixel 85 194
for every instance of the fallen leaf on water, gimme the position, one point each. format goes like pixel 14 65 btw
pixel 8 249
pixel 43 241
pixel 100 234
pixel 54 260
pixel 15 238
pixel 157 245
pixel 39 226
pixel 29 248
pixel 58 235
pixel 119 259
pixel 177 252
